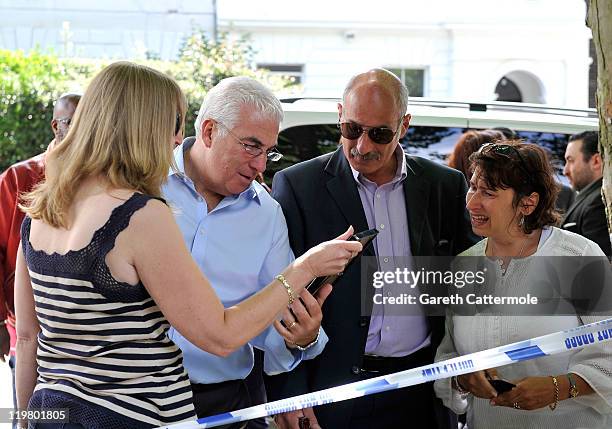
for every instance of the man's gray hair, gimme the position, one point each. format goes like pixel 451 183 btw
pixel 224 101
pixel 386 78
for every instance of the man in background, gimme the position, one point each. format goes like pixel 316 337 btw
pixel 584 170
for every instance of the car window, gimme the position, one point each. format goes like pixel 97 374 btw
pixel 304 142
pixel 555 144
pixel 434 143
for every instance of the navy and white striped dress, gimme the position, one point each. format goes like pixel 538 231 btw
pixel 103 350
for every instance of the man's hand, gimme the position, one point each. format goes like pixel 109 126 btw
pixel 302 319
pixel 289 420
pixel 5 342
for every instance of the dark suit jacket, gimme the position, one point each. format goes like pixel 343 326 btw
pixel 587 217
pixel 565 199
pixel 320 200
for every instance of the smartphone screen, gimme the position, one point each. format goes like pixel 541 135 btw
pixel 501 386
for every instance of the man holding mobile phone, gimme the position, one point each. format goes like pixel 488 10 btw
pixel 419 208
pixel 237 234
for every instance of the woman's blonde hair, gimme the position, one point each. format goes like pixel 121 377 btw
pixel 122 129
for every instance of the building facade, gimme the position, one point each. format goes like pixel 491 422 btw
pixel 478 50
pixel 467 50
pixel 103 28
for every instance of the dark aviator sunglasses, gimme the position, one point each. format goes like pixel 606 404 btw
pixel 379 135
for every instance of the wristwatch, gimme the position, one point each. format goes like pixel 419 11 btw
pixel 573 390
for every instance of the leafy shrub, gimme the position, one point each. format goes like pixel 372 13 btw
pixel 32 82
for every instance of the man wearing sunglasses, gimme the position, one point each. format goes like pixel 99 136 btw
pixel 418 207
pixel 237 234
pixel 18 179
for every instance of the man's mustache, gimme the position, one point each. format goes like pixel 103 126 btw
pixel 366 156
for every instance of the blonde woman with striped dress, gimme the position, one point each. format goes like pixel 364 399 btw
pixel 103 269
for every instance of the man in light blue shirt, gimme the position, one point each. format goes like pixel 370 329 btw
pixel 237 234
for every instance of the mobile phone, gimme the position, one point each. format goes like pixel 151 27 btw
pixel 365 238
pixel 501 386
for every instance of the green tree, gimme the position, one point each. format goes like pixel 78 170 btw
pixel 204 62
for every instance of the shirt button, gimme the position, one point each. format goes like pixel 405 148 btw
pixel 387 328
pixel 377 195
pixel 201 232
pixel 382 226
pixel 386 259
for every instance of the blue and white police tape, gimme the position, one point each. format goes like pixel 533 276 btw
pixel 546 345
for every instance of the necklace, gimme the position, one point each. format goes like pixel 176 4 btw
pixel 503 266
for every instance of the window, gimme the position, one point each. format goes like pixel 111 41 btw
pixel 295 71
pixel 414 79
pixel 304 142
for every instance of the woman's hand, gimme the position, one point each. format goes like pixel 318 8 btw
pixel 530 393
pixel 477 383
pixel 330 257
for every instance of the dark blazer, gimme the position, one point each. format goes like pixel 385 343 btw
pixel 565 199
pixel 320 200
pixel 587 217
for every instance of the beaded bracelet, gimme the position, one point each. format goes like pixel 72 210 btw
pixel 309 345
pixel 287 286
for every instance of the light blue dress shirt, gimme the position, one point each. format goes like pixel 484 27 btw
pixel 240 246
pixel 385 209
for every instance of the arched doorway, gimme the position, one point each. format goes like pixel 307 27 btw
pixel 507 90
pixel 520 86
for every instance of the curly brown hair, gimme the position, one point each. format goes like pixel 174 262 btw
pixel 524 168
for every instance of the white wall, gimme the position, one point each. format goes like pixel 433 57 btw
pixel 465 47
pixel 556 56
pixel 109 28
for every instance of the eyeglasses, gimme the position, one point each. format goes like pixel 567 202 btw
pixel 505 150
pixel 379 135
pixel 65 121
pixel 254 150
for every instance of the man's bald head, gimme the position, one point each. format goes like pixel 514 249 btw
pixel 373 103
pixel 386 82
pixel 63 110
